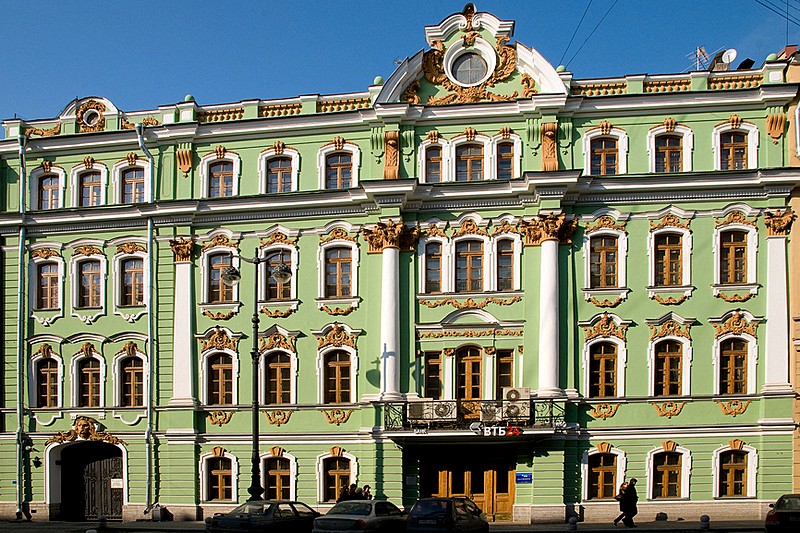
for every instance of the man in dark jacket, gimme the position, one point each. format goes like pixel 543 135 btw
pixel 627 503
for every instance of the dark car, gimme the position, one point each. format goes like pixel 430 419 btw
pixel 266 515
pixel 446 514
pixel 362 515
pixel 784 514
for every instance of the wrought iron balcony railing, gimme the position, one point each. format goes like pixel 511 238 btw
pixel 461 414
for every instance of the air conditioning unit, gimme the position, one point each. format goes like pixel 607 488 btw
pixel 491 411
pixel 431 411
pixel 516 393
pixel 416 411
pixel 517 403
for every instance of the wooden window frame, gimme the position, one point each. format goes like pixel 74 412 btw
pixel 505 272
pixel 278 380
pixel 474 162
pixel 662 360
pixel 433 268
pixel 599 253
pixel 467 360
pixel 335 169
pixel 90 291
pixel 335 477
pixel 729 367
pixel 218 174
pixel 334 269
pixel 279 178
pixel 601 147
pixel 729 146
pixel 433 375
pixel 47 383
pixel 131 281
pixel 603 375
pixel 47 286
pixel 90 186
pixel 277 290
pixel 503 157
pixel 600 487
pixel 218 292
pixel 431 161
pixel 132 385
pixel 48 193
pixel 504 371
pixel 277 480
pixel 337 377
pixel 89 382
pixel 661 471
pixel 664 153
pixel 728 271
pixel 219 479
pixel 219 386
pixel 664 261
pixel 471 275
pixel 134 178
pixel 728 481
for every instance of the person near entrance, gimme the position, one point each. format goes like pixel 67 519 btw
pixel 627 503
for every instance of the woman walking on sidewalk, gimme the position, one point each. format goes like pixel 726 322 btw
pixel 627 503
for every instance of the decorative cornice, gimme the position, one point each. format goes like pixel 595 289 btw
pixel 471 333
pixel 337 234
pixel 606 222
pixel 605 327
pixel 779 222
pixel 390 235
pixel 279 341
pixel 733 407
pixel 670 221
pixel 220 240
pixel 736 324
pixel 469 303
pixel 84 428
pixel 219 418
pixel 668 409
pixel 734 217
pixel 220 315
pixel 182 249
pixel 219 340
pixel 131 247
pixel 337 336
pixel 278 417
pixel 87 250
pixel 604 411
pixel 337 416
pixel 670 328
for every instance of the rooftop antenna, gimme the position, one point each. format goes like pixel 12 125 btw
pixel 701 57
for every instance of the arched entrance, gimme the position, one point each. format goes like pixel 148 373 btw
pixel 92 481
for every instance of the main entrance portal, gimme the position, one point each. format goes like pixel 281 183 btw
pixel 91 481
pixel 481 475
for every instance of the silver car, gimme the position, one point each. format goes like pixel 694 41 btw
pixel 362 515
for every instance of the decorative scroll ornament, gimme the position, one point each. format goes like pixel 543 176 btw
pixel 131 248
pixel 469 303
pixel 606 222
pixel 469 227
pixel 84 428
pixel 88 250
pixel 670 328
pixel 669 221
pixel 184 159
pixel 182 249
pixel 549 146
pixel 279 341
pixel 219 418
pixel 606 302
pixel 605 327
pixel 338 311
pixel 89 161
pixel 548 227
pixel 669 409
pixel 278 238
pixel 278 417
pixel 604 411
pixel 391 165
pixel 90 116
pixel 45 350
pixel 46 165
pixel 337 416
pixel 434 231
pixel 489 350
pixel 220 240
pixel 505 227
pixel 220 315
pixel 669 445
pixel 49 132
pixel 733 407
pixel 150 121
pixel 337 336
pixel 779 222
pixel 670 300
pixel 44 253
pixel 390 235
pixel 86 350
pixel 130 349
pixel 734 217
pixel 736 444
pixel 776 123
pixel 603 447
pixel 277 313
pixel 337 234
pixel 736 324
pixel 411 94
pixel 336 451
pixel 471 333
pixel 131 158
pixel 528 86
pixel 734 298
pixel 219 340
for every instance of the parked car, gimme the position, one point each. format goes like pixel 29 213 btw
pixel 266 515
pixel 362 515
pixel 784 514
pixel 446 514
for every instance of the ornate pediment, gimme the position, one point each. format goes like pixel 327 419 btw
pixel 84 428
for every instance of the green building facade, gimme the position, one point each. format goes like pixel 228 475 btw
pixel 504 282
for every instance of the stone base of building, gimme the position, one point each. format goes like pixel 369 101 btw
pixel 173 512
pixel 688 511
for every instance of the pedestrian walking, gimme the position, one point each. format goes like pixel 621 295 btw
pixel 618 497
pixel 366 493
pixel 627 503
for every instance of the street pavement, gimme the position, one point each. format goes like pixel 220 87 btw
pixel 745 526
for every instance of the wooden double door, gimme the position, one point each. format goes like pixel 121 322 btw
pixel 91 482
pixel 486 479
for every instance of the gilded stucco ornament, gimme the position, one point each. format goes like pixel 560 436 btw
pixel 605 302
pixel 131 158
pixel 669 445
pixel 130 349
pixel 470 333
pixel 277 238
pixel 528 86
pixel 434 231
pixel 605 327
pixel 337 337
pixel 779 222
pixel 87 349
pixel 390 234
pixel 670 328
pixel 84 428
pixel 219 340
pixel 734 298
pixel 277 313
pixel 338 311
pixel 337 234
pixel 182 249
pixel 220 240
pixel 278 417
pixel 670 300
pixel 736 324
pixel 733 407
pixel 278 341
pixel 130 248
pixel 45 350
pixel 549 146
pixel 603 447
pixel 90 116
pixel 40 132
pixel 183 156
pixel 668 409
pixel 391 166
pixel 776 123
pixel 606 222
pixel 337 416
pixel 469 303
pixel 504 228
pixel 469 227
pixel 88 250
pixel 220 315
pixel 736 444
pixel 44 253
pixel 46 165
pixel 604 411
pixel 219 418
pixel 734 217
pixel 548 227
pixel 669 221
pixel 89 162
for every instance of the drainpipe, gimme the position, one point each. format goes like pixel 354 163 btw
pixel 148 436
pixel 23 184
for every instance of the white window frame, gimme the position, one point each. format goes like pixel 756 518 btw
pixel 622 361
pixel 75 375
pixel 292 471
pixel 117 377
pixel 33 380
pixel 130 313
pixel 445 164
pixel 270 153
pixel 262 376
pixel 488 155
pixel 446 260
pixel 321 371
pixel 752 361
pixel 262 271
pixel 622 261
pixel 122 166
pixel 687 145
pixel 752 143
pixel 516 249
pixel 321 473
pixel 686 261
pixel 516 171
pixel 622 150
pixel 622 465
pixel 75 181
pixel 686 365
pixel 205 374
pixel 204 473
pixel 686 470
pixel 205 275
pixel 752 471
pixel 205 176
pixel 36 175
pixel 752 250
pixel 486 267
pixel 45 316
pixel 355 155
pixel 75 263
pixel 353 299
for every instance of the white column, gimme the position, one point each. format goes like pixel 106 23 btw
pixel 183 338
pixel 390 323
pixel 548 320
pixel 776 351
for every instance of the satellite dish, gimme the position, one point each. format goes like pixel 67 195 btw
pixel 729 56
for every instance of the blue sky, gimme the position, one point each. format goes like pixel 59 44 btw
pixel 145 53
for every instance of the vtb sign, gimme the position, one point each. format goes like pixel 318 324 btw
pixel 495 431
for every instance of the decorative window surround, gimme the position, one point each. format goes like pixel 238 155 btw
pixel 480 47
pixel 226 242
pixel 622 353
pixel 283 337
pixel 622 465
pixel 39 172
pixel 203 364
pixel 686 365
pixel 752 249
pixel 752 348
pixel 130 313
pixel 490 144
pixel 621 291
pixel 33 377
pixel 45 317
pixel 293 258
pixel 516 170
pixel 118 378
pixel 116 178
pixel 75 377
pixel 752 470
pixel 686 469
pixel 330 148
pixel 687 145
pixel 686 251
pixel 752 142
pixel 292 470
pixel 270 153
pixel 321 369
pixel 87 315
pixel 622 148
pixel 215 157
pixel 205 473
pixel 75 180
pixel 321 472
pixel 355 260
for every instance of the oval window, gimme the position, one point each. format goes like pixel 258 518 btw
pixel 469 68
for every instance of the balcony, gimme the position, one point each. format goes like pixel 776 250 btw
pixel 464 414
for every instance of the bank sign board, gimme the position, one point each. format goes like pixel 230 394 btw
pixel 524 478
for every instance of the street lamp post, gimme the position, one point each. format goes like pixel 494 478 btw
pixel 231 276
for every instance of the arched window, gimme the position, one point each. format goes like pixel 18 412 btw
pixel 278 478
pixel 47 286
pixel 89 285
pixel 469 266
pixel 603 261
pixel 505 265
pixel 132 282
pixel 469 162
pixel 733 473
pixel 433 164
pixel 337 380
pixel 668 377
pixel 604 156
pixel 668 260
pixel 278 289
pixel 132 392
pixel 219 292
pixel 733 153
pixel 336 475
pixel 91 189
pixel 433 268
pixel 669 153
pixel 602 370
pixel 505 160
pixel 220 379
pixel 219 479
pixel 89 382
pixel 469 362
pixel 47 383
pixel 220 179
pixel 338 269
pixel 279 175
pixel 133 185
pixel 49 191
pixel 733 257
pixel 733 366
pixel 602 476
pixel 667 475
pixel 338 170
pixel 278 386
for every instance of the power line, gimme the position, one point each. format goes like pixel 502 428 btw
pixel 575 32
pixel 594 30
pixel 774 9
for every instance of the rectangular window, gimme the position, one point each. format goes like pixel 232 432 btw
pixel 667 478
pixel 734 151
pixel 220 381
pixel 669 153
pixel 89 286
pixel 505 265
pixel 669 260
pixel 603 370
pixel 733 259
pixel 433 375
pixel 733 367
pixel 469 162
pixel 668 371
pixel 220 479
pixel 278 480
pixel 469 266
pixel 218 291
pixel 279 370
pixel 279 175
pixel 132 279
pixel 337 377
pixel 733 474
pixel 89 384
pixel 505 161
pixel 133 186
pixel 132 382
pixel 433 164
pixel 504 371
pixel 433 268
pixel 602 476
pixel 603 156
pixel 603 261
pixel 220 179
pixel 337 272
pixel 338 171
pixel 47 286
pixel 47 383
pixel 48 192
pixel 91 189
